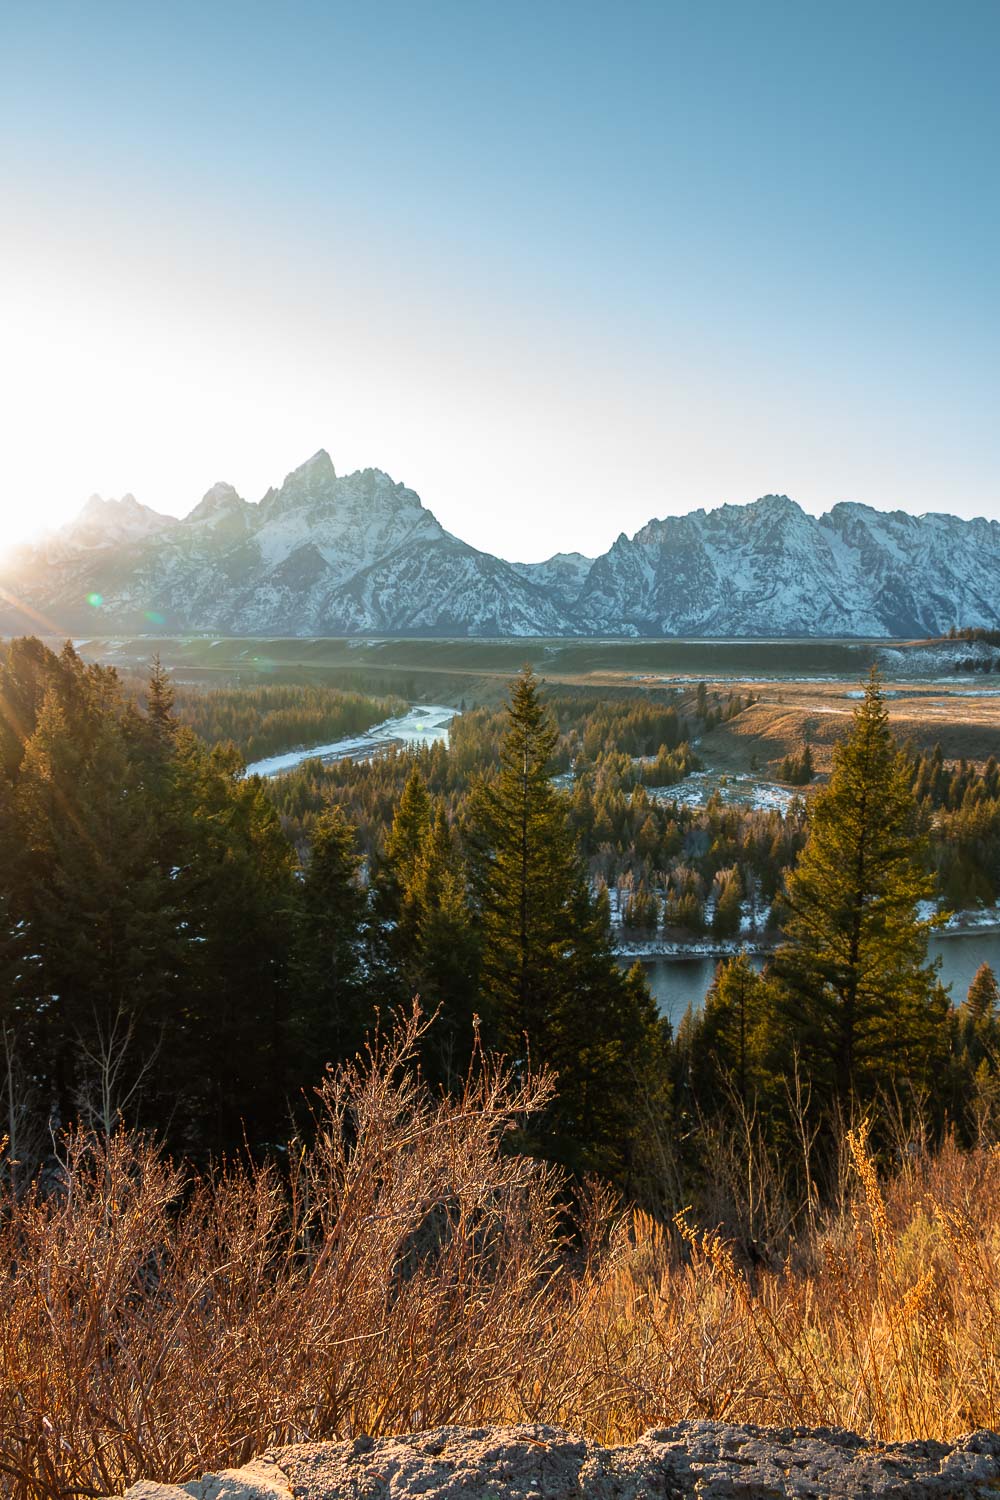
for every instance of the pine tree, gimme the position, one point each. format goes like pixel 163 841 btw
pixel 729 904
pixel 642 910
pixel 332 1008
pixel 160 702
pixel 526 874
pixel 226 1044
pixel 610 1051
pixel 978 1031
pixel 549 977
pixel 726 1041
pixel 858 998
pixel 442 964
pixel 99 906
pixel 18 961
pixel 394 932
pixel 410 823
pixel 983 999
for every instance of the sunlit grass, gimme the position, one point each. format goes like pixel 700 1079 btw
pixel 406 1272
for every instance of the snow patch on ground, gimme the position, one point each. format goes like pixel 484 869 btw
pixel 700 948
pixel 743 790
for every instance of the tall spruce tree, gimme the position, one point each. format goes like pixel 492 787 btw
pixel 549 980
pixel 726 1040
pixel 857 997
pixel 983 998
pixel 526 873
pixel 442 964
pixel 333 1008
pixel 236 871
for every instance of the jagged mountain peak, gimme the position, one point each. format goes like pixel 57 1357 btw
pixel 316 470
pixel 96 507
pixel 106 522
pixel 567 559
pixel 221 511
pixel 774 505
pixel 359 553
pixel 221 496
pixel 311 483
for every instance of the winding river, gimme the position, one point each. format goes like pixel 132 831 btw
pixel 423 724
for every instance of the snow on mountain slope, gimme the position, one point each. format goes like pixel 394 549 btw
pixel 359 553
pixel 352 522
pixel 563 575
pixel 759 569
pixel 323 554
pixel 109 523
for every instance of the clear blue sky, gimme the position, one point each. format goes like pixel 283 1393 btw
pixel 559 267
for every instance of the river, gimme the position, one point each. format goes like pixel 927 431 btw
pixel 424 724
pixel 677 983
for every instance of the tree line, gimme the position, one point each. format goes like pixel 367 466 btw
pixel 165 942
pixel 265 719
pixel 167 950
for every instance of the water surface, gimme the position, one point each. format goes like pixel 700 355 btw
pixel 677 983
pixel 423 724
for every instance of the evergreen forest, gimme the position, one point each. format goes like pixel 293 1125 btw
pixel 298 1074
pixel 189 949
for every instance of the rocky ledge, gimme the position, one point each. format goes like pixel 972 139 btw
pixel 710 1460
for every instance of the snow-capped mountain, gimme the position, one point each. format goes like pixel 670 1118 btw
pixel 322 555
pixel 770 569
pixel 360 554
pixel 108 523
pixel 562 575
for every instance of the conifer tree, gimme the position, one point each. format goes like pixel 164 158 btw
pixel 727 1036
pixel 978 1032
pixel 642 910
pixel 394 934
pixel 526 873
pixel 98 903
pixel 17 960
pixel 442 966
pixel 232 1054
pixel 858 998
pixel 729 904
pixel 983 999
pixel 549 977
pixel 330 907
pixel 410 823
pixel 160 702
pixel 610 1051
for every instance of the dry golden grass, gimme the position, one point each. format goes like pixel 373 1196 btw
pixel 788 713
pixel 406 1271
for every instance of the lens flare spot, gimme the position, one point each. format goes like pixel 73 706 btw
pixel 95 600
pixel 154 618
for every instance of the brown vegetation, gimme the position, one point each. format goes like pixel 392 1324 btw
pixel 788 715
pixel 408 1269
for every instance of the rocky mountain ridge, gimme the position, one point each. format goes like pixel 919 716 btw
pixel 329 554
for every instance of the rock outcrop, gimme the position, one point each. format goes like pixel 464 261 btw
pixel 710 1460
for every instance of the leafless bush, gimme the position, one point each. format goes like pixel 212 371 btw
pixel 405 1268
pixel 400 1274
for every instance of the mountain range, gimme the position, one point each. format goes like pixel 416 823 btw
pixel 330 554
